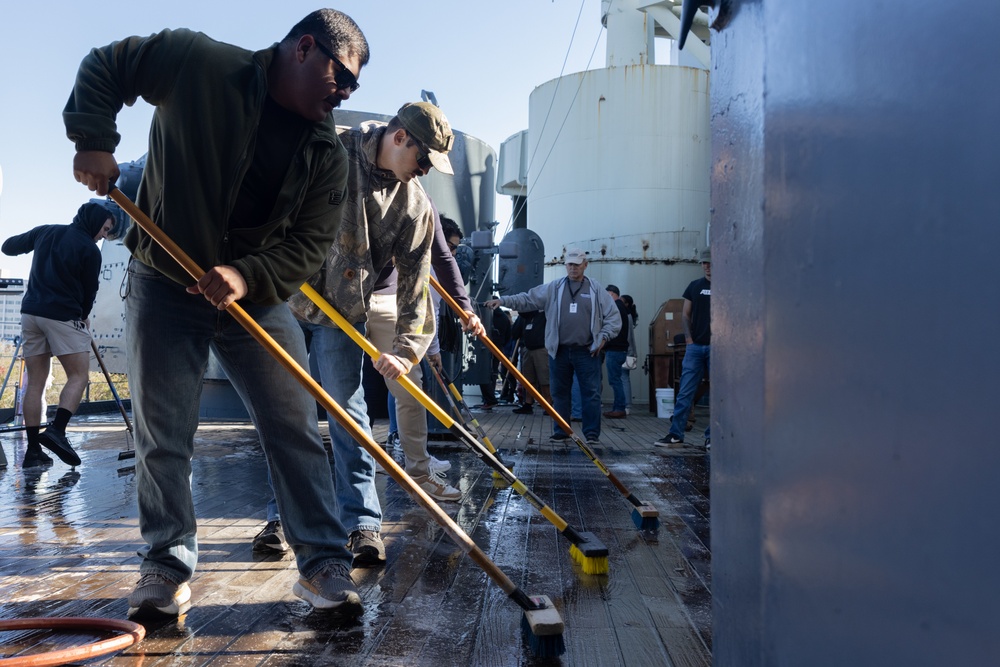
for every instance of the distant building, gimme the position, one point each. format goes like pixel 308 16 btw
pixel 11 293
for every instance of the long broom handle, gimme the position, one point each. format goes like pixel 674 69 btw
pixel 429 404
pixel 107 376
pixel 458 404
pixel 537 395
pixel 484 452
pixel 373 352
pixel 13 361
pixel 509 377
pixel 324 399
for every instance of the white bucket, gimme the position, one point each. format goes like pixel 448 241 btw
pixel 664 402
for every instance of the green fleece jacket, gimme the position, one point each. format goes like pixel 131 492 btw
pixel 208 98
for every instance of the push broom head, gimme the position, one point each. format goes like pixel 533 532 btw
pixel 646 517
pixel 543 628
pixel 499 481
pixel 590 553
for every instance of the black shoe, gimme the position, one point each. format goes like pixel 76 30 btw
pixel 670 441
pixel 367 547
pixel 58 444
pixel 35 457
pixel 270 538
pixel 558 437
pixel 525 409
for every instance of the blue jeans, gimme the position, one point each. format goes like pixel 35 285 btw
pixel 613 361
pixel 169 333
pixel 340 360
pixel 574 406
pixel 570 360
pixel 390 404
pixel 696 364
pixel 627 386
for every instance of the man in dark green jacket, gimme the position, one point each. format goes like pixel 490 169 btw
pixel 246 174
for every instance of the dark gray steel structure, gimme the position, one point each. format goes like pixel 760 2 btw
pixel 855 360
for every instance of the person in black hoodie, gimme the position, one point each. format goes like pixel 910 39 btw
pixel 55 309
pixel 616 351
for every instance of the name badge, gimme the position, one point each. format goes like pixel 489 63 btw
pixel 572 308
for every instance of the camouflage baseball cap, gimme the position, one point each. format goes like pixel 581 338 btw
pixel 425 123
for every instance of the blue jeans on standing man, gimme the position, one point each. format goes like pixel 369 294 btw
pixel 169 333
pixel 570 359
pixel 614 359
pixel 574 407
pixel 696 364
pixel 339 360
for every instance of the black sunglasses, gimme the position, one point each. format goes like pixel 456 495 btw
pixel 423 158
pixel 344 79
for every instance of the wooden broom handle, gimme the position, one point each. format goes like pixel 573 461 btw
pixel 324 399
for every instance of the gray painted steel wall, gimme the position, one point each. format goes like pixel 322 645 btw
pixel 855 359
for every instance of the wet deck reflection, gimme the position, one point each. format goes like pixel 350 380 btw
pixel 68 541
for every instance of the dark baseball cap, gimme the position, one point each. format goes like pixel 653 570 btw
pixel 426 123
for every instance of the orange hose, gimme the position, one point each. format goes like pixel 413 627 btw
pixel 132 634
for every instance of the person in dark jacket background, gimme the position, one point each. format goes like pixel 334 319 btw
pixel 55 309
pixel 530 329
pixel 616 352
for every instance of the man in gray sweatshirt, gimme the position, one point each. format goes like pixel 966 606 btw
pixel 580 319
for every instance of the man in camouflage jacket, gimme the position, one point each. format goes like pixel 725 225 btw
pixel 388 218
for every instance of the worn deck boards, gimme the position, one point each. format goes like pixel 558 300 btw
pixel 68 542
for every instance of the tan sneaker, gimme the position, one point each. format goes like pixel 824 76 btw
pixel 437 487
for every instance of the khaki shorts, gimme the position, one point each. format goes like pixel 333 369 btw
pixel 41 335
pixel 535 367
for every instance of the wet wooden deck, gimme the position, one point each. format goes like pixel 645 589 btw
pixel 68 541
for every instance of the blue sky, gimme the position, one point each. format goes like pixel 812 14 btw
pixel 481 59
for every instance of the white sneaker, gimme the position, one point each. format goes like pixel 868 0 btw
pixel 437 487
pixel 438 466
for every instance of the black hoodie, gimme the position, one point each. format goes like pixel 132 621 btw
pixel 64 274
